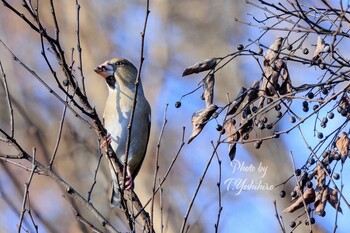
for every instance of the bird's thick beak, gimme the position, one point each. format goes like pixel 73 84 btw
pixel 105 70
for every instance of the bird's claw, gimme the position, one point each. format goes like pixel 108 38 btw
pixel 129 182
pixel 107 141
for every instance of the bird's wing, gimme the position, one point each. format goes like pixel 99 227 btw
pixel 137 169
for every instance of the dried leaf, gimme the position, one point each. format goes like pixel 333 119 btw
pixel 321 201
pixel 231 131
pixel 343 143
pixel 270 80
pixel 320 177
pixel 319 48
pixel 209 82
pixel 308 197
pixel 201 66
pixel 232 150
pixel 274 50
pixel 246 126
pixel 286 86
pixel 253 91
pixel 200 119
pixel 333 200
pixel 232 137
pixel 239 99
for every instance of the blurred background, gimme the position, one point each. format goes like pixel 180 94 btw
pixel 179 34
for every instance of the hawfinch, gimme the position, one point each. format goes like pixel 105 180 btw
pixel 120 76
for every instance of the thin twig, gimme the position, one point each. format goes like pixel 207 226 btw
pixel 168 170
pixel 77 32
pixel 81 218
pixel 59 136
pixel 220 207
pixel 184 223
pixel 301 191
pixel 279 219
pixel 156 167
pixel 96 170
pixel 9 102
pixel 137 83
pixel 26 194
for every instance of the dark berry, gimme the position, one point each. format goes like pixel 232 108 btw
pixel 214 115
pixel 330 159
pixel 309 184
pixel 269 100
pixel 279 114
pixel 269 126
pixel 343 112
pixel 312 161
pixel 222 131
pixel 264 120
pixel 254 109
pixel 292 119
pixel 292 224
pixel 305 104
pixel 240 47
pixel 177 104
pixel 305 51
pixel 323 125
pixel 320 135
pixel 330 115
pixel 323 214
pixel 306 109
pixel 219 127
pixel 246 136
pixel 282 194
pixel 336 176
pixel 322 66
pixel 297 172
pixel 310 95
pixel 293 194
pixel 324 120
pixel 312 220
pixel 259 51
pixel 289 47
pixel 325 154
pixel 257 144
pixel 65 82
pixel 315 107
pixel 336 156
pixel 339 109
pixel 261 126
pixel 325 91
pixel 278 107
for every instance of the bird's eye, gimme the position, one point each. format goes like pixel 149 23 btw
pixel 119 63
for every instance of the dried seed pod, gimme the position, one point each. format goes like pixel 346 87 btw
pixel 342 144
pixel 209 82
pixel 200 119
pixel 232 137
pixel 308 197
pixel 201 66
pixel 319 48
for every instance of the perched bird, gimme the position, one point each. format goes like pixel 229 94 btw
pixel 120 76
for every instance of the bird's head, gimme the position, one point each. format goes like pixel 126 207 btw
pixel 117 70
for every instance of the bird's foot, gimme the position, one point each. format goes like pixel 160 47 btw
pixel 129 182
pixel 106 142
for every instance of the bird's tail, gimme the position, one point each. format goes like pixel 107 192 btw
pixel 115 194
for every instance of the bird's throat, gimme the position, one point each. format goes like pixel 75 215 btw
pixel 111 81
